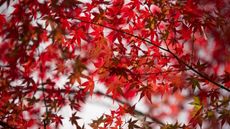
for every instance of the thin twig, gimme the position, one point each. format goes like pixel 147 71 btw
pixel 197 72
pixel 135 111
pixel 164 49
pixel 161 72
pixel 105 95
pixel 46 108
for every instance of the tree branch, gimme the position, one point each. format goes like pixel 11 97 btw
pixel 108 96
pixel 135 111
pixel 45 121
pixel 164 49
pixel 161 72
pixel 197 72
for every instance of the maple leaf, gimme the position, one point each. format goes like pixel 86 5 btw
pixel 224 116
pixel 2 20
pixel 177 82
pixel 132 124
pixel 78 67
pixel 197 119
pixel 226 78
pixel 74 105
pixel 75 77
pixel 146 91
pixel 126 45
pixel 96 123
pixel 185 32
pixel 73 119
pixel 115 90
pixel 197 103
pixel 57 120
pixel 194 82
pixel 118 122
pixel 89 86
pixel 171 126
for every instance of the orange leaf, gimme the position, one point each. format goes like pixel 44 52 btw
pixel 89 86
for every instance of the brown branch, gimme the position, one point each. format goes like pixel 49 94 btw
pixel 45 121
pixel 4 66
pixel 197 72
pixel 108 96
pixel 161 72
pixel 135 111
pixel 164 49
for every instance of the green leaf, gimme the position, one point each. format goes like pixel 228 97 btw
pixel 194 82
pixel 196 103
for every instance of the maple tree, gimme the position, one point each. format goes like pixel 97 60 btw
pixel 168 53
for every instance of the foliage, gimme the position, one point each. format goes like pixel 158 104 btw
pixel 169 53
